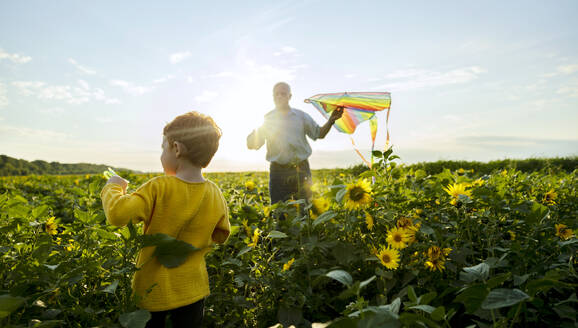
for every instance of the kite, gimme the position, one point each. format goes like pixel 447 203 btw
pixel 358 107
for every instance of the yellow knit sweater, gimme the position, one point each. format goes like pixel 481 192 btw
pixel 192 212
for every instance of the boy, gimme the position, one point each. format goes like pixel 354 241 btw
pixel 181 204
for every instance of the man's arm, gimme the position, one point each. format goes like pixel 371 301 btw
pixel 255 139
pixel 335 115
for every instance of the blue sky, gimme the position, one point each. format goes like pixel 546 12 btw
pixel 96 82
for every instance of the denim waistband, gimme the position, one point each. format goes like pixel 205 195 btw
pixel 288 166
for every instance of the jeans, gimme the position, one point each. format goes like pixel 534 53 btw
pixel 289 181
pixel 188 316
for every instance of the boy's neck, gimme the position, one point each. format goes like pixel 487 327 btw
pixel 190 173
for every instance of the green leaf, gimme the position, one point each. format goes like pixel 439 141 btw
pixel 426 298
pixel 276 234
pixel 503 297
pixel 538 212
pixel 368 174
pixel 340 194
pixel 40 211
pixel 169 251
pixel 52 267
pixel 542 285
pixel 49 324
pixel 472 297
pixel 476 272
pixel 439 313
pixel 518 280
pixel 377 153
pixel 423 307
pixel 393 306
pixel 136 319
pixel 426 230
pixel 387 153
pixel 366 282
pixel 409 319
pixel 9 304
pixel 498 280
pixel 411 294
pixel 244 250
pixel 111 288
pixel 342 276
pixel 326 216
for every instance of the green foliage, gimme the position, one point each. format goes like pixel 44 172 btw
pixel 502 261
pixel 14 167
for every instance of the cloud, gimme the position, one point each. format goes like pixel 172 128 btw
pixel 3 96
pixel 164 79
pixel 286 50
pixel 570 90
pixel 38 134
pixel 15 58
pixel 220 74
pixel 131 88
pixel 568 69
pixel 417 78
pixel 80 94
pixel 81 68
pixel 530 146
pixel 278 24
pixel 179 57
pixel 562 70
pixel 206 96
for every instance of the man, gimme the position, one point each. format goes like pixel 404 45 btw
pixel 284 130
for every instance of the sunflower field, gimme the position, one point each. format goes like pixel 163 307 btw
pixel 394 246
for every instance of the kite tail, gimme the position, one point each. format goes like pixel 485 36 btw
pixel 359 153
pixel 387 131
pixel 373 128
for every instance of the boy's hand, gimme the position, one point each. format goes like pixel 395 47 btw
pixel 118 180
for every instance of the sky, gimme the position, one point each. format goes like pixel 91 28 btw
pixel 96 82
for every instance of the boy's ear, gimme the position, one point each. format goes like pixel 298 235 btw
pixel 179 148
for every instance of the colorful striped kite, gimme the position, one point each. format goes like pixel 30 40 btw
pixel 358 107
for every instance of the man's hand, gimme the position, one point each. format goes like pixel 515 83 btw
pixel 118 180
pixel 336 114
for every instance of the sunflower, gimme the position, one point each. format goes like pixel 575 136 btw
pixel 51 226
pixel 358 194
pixel 435 264
pixel 266 210
pixel 563 232
pixel 434 253
pixel 287 265
pixel 478 182
pixel 397 238
pixel 458 189
pixel 255 238
pixel 250 185
pixel 550 197
pixel 389 258
pixel 320 205
pixel 369 221
pixel 245 224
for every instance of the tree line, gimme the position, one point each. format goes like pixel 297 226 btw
pixel 12 166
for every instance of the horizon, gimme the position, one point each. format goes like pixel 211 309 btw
pixel 398 161
pixel 468 81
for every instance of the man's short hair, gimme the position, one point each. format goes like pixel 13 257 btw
pixel 198 133
pixel 280 84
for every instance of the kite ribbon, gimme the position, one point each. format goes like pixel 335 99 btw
pixel 387 130
pixel 359 153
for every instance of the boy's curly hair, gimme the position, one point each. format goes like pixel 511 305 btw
pixel 198 133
